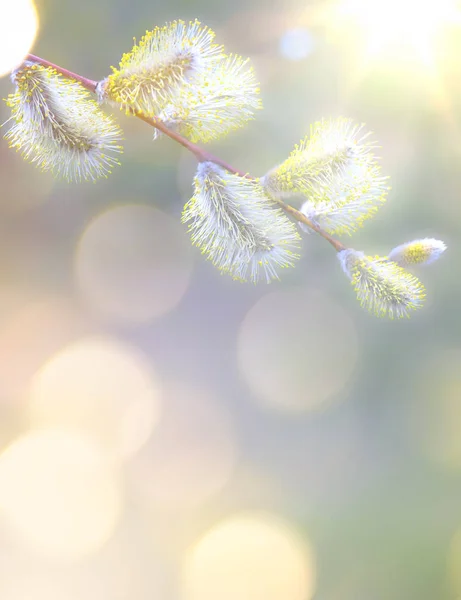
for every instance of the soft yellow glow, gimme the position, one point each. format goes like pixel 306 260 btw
pixel 297 350
pixel 101 387
pixel 404 25
pixel 125 569
pixel 250 556
pixel 18 28
pixel 133 263
pixel 191 455
pixel 40 587
pixel 59 493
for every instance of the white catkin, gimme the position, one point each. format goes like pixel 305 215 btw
pixel 59 128
pixel 222 100
pixel 238 227
pixel 381 285
pixel 166 62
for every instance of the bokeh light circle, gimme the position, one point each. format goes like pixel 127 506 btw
pixel 296 44
pixel 59 493
pixel 249 556
pixel 192 453
pixel 133 263
pixel 101 387
pixel 32 329
pixel 297 350
pixel 18 28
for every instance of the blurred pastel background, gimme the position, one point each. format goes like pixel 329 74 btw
pixel 168 433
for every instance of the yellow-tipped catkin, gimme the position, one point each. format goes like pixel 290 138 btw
pixel 58 127
pixel 223 99
pixel 342 202
pixel 417 252
pixel 335 169
pixel 160 66
pixel 331 146
pixel 238 227
pixel 381 285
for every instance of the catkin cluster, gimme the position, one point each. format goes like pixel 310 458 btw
pixel 177 76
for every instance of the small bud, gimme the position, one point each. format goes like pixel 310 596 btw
pixel 59 127
pixel 158 68
pixel 417 252
pixel 238 227
pixel 222 100
pixel 381 285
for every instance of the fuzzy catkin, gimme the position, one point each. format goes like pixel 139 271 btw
pixel 238 227
pixel 342 202
pixel 223 99
pixel 381 285
pixel 336 172
pixel 331 146
pixel 163 62
pixel 59 128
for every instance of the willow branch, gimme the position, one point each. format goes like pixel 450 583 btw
pixel 88 84
pixel 200 154
pixel 299 216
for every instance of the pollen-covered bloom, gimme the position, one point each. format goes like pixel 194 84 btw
pixel 58 127
pixel 160 66
pixel 381 285
pixel 223 99
pixel 238 227
pixel 342 201
pixel 331 146
pixel 417 252
pixel 335 169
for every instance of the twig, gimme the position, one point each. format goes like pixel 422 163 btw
pixel 89 84
pixel 200 154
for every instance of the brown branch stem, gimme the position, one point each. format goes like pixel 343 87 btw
pixel 299 216
pixel 88 84
pixel 200 154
